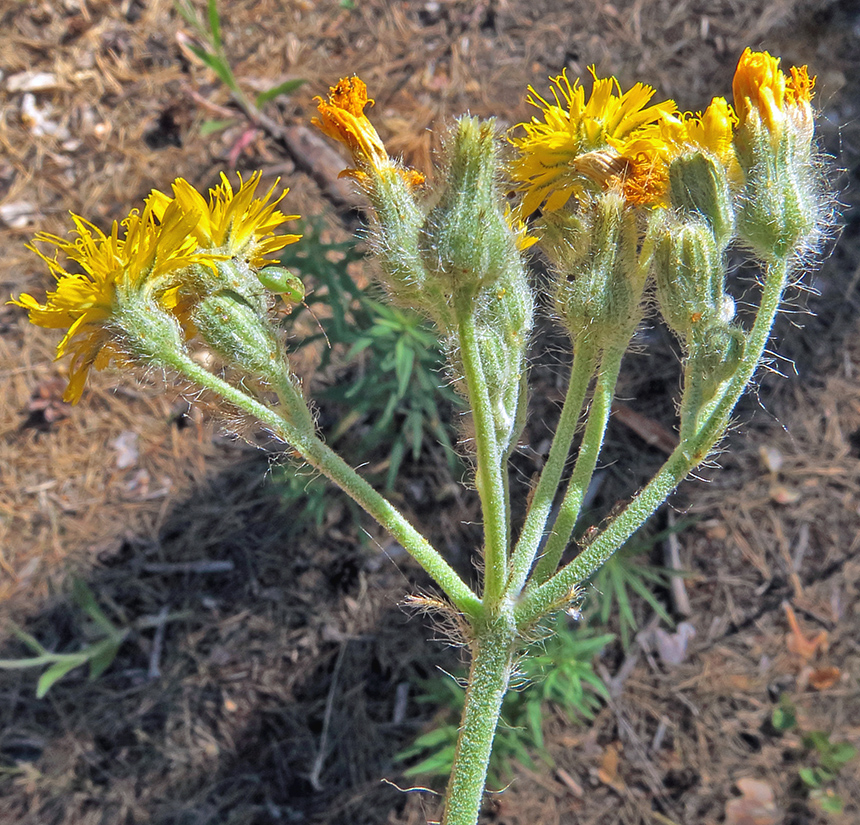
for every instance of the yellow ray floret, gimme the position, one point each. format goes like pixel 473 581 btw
pixel 236 224
pixel 112 268
pixel 342 118
pixel 608 140
pixel 763 92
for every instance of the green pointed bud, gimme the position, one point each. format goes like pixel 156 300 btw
pixel 597 280
pixel 690 272
pixel 280 280
pixel 699 186
pixel 394 240
pixel 467 243
pixel 239 334
pixel 717 351
pixel 780 204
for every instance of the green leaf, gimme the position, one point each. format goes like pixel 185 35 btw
pixel 811 777
pixel 84 598
pixel 103 657
pixel 784 716
pixel 404 359
pixel 31 641
pixel 54 673
pixel 210 127
pixel 215 24
pixel 829 802
pixel 217 64
pixel 285 88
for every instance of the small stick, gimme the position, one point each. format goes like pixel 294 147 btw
pixel 314 778
pixel 154 671
pixel 188 567
pixel 672 560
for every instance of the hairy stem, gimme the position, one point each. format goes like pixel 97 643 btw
pixel 553 594
pixel 302 438
pixel 584 359
pixel 490 673
pixel 586 461
pixel 490 463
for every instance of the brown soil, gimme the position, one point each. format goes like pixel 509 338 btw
pixel 275 697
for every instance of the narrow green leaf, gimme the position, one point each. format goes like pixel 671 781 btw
pixel 84 598
pixel 54 673
pixel 103 657
pixel 215 24
pixel 285 88
pixel 27 639
pixel 210 127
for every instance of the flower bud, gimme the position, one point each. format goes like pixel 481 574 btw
pixel 716 352
pixel 781 203
pixel 467 242
pixel 699 186
pixel 597 283
pixel 238 333
pixel 690 272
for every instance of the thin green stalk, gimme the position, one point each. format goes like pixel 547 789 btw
pixel 313 450
pixel 586 461
pixel 540 600
pixel 490 673
pixel 490 463
pixel 581 370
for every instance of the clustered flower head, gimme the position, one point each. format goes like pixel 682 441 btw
pixel 151 259
pixel 611 141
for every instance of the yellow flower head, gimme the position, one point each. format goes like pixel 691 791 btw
pixel 610 140
pixel 342 118
pixel 762 91
pixel 235 224
pixel 112 269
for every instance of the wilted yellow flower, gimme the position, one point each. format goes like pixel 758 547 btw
pixel 342 118
pixel 763 92
pixel 613 139
pixel 113 268
pixel 237 225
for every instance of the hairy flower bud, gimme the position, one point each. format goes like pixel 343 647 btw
pixel 597 282
pixel 690 271
pixel 699 186
pixel 467 242
pixel 240 334
pixel 781 203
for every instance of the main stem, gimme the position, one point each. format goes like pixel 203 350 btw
pixel 489 675
pixel 542 599
pixel 490 461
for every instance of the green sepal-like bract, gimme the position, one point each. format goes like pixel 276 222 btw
pixel 236 331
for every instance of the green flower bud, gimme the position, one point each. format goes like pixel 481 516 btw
pixel 394 240
pixel 716 352
pixel 699 187
pixel 690 273
pixel 780 204
pixel 148 332
pixel 280 280
pixel 239 334
pixel 467 243
pixel 597 282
